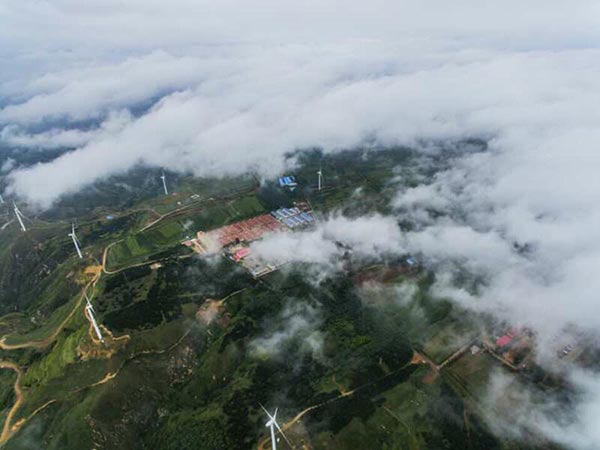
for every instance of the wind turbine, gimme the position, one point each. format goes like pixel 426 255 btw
pixel 272 424
pixel 164 180
pixel 20 216
pixel 320 174
pixel 1 199
pixel 76 242
pixel 90 310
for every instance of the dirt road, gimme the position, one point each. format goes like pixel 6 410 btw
pixel 52 336
pixel 7 428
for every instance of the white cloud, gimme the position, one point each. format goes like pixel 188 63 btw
pixel 8 165
pixel 272 102
pixel 517 410
pixel 251 82
pixel 371 236
pixel 298 322
pixel 13 135
pixel 92 91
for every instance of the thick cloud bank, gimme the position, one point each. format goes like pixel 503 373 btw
pixel 247 118
pixel 222 87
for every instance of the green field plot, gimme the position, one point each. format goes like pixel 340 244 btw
pixel 215 187
pixel 45 329
pixel 53 365
pixel 208 218
pixel 217 214
pixel 188 191
pixel 14 323
pixel 473 371
pixel 448 335
pixel 140 246
pixel 163 234
pixel 245 207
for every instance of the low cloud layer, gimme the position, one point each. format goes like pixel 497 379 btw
pixel 326 244
pixel 527 222
pixel 92 91
pixel 522 412
pixel 246 117
pixel 56 138
pixel 296 329
pixel 210 101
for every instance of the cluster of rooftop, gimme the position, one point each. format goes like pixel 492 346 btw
pixel 293 217
pixel 242 254
pixel 244 231
pixel 288 181
pixel 233 239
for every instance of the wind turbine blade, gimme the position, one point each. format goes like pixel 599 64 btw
pixel 18 211
pixel 164 181
pixel 283 434
pixel 19 217
pixel 265 410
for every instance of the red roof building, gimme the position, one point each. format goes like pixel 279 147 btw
pixel 503 340
pixel 243 231
pixel 241 254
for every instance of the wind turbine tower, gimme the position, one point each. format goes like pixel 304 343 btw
pixel 272 424
pixel 1 199
pixel 320 174
pixel 164 180
pixel 20 216
pixel 90 310
pixel 76 242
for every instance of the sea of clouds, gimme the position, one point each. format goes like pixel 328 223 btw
pixel 230 86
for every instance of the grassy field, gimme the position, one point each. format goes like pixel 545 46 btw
pixel 44 330
pixel 139 247
pixel 447 336
pixel 245 207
